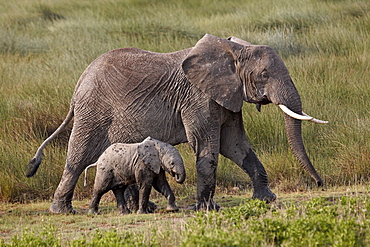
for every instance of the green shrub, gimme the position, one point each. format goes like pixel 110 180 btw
pixel 315 223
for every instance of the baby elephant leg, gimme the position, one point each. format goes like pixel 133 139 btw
pixel 144 193
pixel 94 203
pixel 161 185
pixel 131 196
pixel 121 204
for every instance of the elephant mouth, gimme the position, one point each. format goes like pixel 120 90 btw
pixel 259 103
pixel 262 101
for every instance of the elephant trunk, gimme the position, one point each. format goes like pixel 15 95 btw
pixel 292 107
pixel 180 178
pixel 294 134
pixel 176 169
pixel 171 161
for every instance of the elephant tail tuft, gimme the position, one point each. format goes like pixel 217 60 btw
pixel 33 165
pixel 36 160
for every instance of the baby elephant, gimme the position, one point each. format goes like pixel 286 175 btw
pixel 143 163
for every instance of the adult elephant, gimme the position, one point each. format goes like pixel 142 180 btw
pixel 193 95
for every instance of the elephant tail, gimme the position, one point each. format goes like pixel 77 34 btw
pixel 87 168
pixel 36 160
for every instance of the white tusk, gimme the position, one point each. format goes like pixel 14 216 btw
pixel 293 114
pixel 315 120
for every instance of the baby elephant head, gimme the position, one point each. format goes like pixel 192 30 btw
pixel 157 154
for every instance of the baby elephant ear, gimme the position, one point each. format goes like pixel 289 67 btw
pixel 149 155
pixel 211 66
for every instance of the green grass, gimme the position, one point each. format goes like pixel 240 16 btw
pixel 45 46
pixel 336 217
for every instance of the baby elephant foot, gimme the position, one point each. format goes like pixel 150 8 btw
pixel 142 211
pixel 151 207
pixel 172 208
pixel 92 212
pixel 124 211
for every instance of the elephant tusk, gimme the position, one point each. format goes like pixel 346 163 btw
pixel 304 116
pixel 293 114
pixel 316 120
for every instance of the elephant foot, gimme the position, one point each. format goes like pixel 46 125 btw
pixel 151 207
pixel 264 194
pixel 92 212
pixel 123 210
pixel 206 206
pixel 142 211
pixel 172 208
pixel 62 207
pixel 131 196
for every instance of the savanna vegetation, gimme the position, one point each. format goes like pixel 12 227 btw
pixel 46 45
pixel 337 217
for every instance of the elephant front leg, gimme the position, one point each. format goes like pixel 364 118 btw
pixel 161 185
pixel 258 175
pixel 235 146
pixel 206 184
pixel 144 192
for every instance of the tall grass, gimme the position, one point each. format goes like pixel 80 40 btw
pixel 46 46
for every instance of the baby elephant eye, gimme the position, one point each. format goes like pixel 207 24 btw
pixel 265 75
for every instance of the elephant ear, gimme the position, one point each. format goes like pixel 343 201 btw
pixel 211 66
pixel 149 155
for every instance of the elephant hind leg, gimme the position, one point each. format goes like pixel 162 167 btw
pixel 84 149
pixel 121 204
pixel 94 203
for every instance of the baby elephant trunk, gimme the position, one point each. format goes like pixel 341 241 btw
pixel 171 160
pixel 173 164
pixel 180 178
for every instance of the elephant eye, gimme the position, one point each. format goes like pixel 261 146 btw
pixel 264 74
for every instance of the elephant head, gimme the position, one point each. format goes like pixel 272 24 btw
pixel 157 154
pixel 230 71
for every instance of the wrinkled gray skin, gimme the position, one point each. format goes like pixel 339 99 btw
pixel 193 95
pixel 143 163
